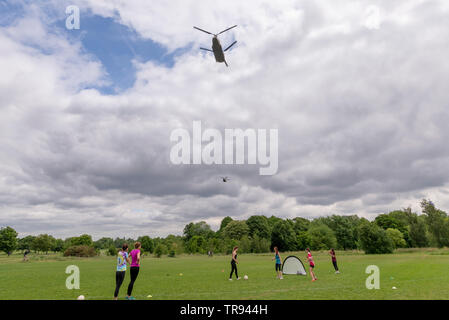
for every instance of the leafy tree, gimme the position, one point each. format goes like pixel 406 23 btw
pixel 8 240
pixel 112 251
pixel 197 229
pixel 300 225
pixel 437 223
pixel 104 243
pixel 147 243
pixel 160 250
pixel 283 236
pixel 197 244
pixel 373 239
pixel 25 243
pixel 396 237
pixel 58 245
pixel 258 225
pixel 303 240
pixel 118 242
pixel 236 230
pixel 260 245
pixel 418 233
pixel 83 240
pixel 272 221
pixel 224 223
pixel 44 243
pixel 345 230
pixel 321 237
pixel 245 245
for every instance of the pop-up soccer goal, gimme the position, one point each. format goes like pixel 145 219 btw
pixel 293 265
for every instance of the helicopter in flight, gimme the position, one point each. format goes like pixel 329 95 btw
pixel 217 49
pixel 225 179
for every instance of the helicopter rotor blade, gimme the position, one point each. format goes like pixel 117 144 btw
pixel 229 46
pixel 206 49
pixel 226 30
pixel 203 30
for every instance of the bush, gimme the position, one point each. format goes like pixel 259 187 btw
pixel 80 251
pixel 112 251
pixel 172 253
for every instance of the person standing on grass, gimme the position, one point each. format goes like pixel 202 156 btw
pixel 25 255
pixel 122 259
pixel 334 260
pixel 278 266
pixel 234 263
pixel 311 264
pixel 134 270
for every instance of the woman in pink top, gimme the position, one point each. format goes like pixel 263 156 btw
pixel 311 264
pixel 135 267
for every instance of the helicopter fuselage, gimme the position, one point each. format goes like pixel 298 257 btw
pixel 218 50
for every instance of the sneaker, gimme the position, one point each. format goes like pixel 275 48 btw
pixel 281 278
pixel 238 278
pixel 230 279
pixel 130 298
pixel 337 272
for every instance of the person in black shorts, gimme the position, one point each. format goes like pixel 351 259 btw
pixel 278 266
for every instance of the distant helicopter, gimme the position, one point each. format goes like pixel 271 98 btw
pixel 216 46
pixel 225 179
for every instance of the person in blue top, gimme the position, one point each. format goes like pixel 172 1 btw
pixel 122 259
pixel 278 259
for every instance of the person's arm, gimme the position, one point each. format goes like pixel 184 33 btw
pixel 127 258
pixel 138 257
pixel 233 257
pixel 280 258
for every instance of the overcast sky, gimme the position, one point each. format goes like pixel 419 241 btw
pixel 357 89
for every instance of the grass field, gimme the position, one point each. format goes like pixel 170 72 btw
pixel 417 274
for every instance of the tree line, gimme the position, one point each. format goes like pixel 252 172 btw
pixel 259 234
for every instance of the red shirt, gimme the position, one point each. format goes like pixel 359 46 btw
pixel 310 258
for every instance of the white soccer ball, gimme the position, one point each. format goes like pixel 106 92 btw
pixel 394 288
pixel 81 297
pixel 245 277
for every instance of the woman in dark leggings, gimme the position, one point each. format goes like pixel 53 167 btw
pixel 122 259
pixel 334 260
pixel 134 270
pixel 234 264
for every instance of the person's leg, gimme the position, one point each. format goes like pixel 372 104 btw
pixel 236 273
pixel 134 271
pixel 233 269
pixel 119 277
pixel 312 274
pixel 335 265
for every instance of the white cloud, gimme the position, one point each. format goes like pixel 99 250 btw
pixel 361 115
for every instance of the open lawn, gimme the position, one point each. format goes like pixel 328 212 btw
pixel 417 274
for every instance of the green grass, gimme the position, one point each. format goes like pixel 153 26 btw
pixel 417 274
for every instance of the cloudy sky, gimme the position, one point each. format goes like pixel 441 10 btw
pixel 358 91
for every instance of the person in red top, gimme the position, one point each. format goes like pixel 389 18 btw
pixel 311 264
pixel 334 260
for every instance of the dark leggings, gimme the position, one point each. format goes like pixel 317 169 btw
pixel 335 265
pixel 119 277
pixel 134 271
pixel 233 267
